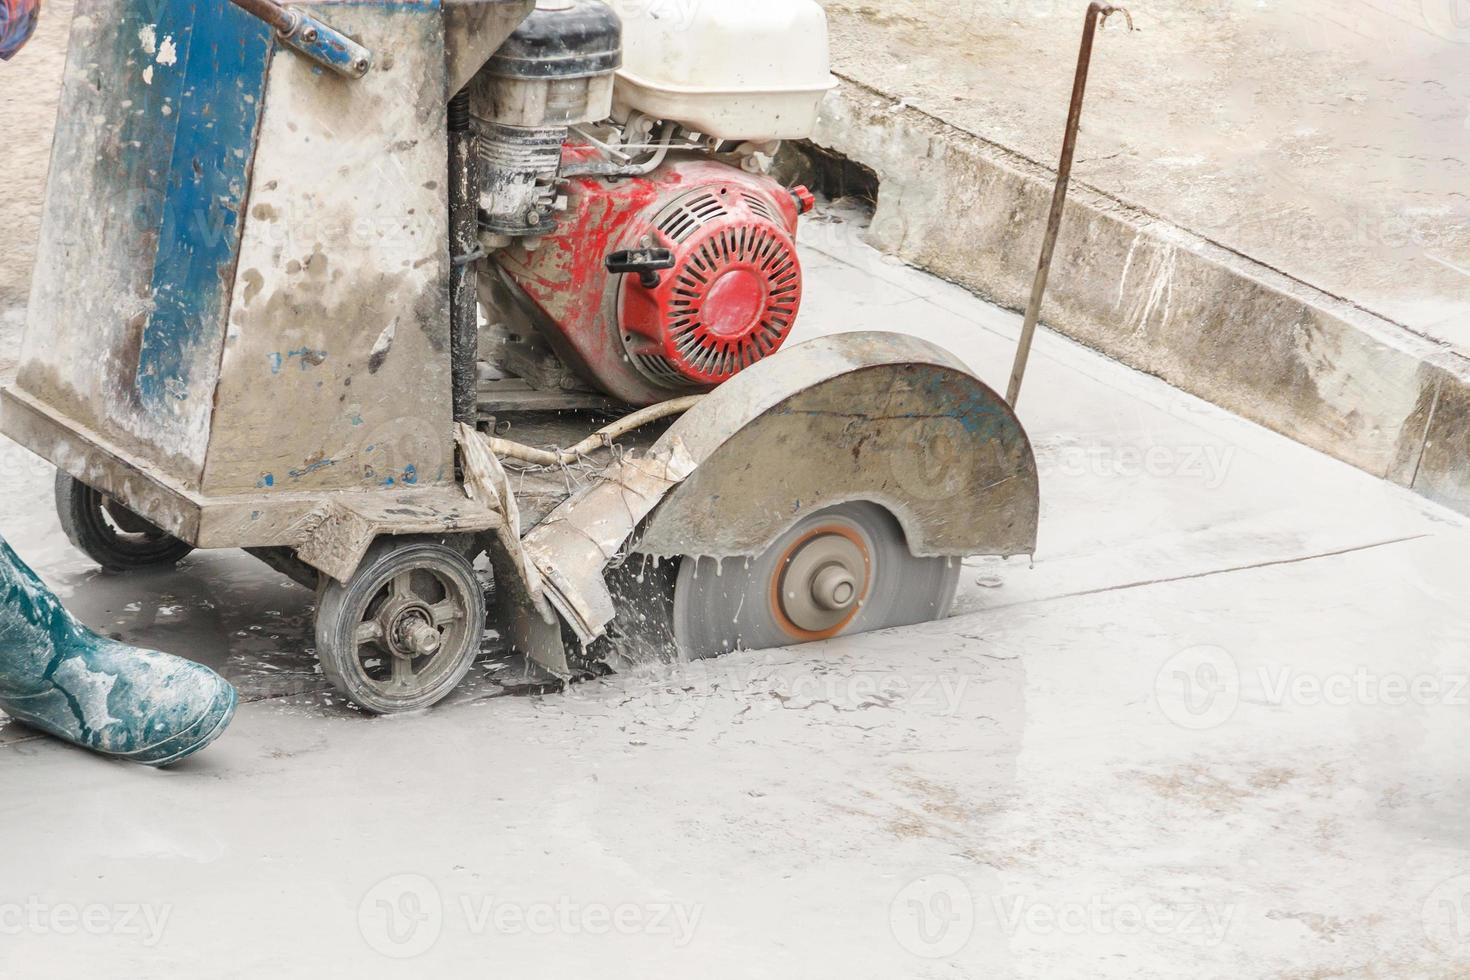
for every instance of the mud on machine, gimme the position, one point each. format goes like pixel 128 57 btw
pixel 324 282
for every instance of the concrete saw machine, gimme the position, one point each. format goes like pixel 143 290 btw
pixel 472 316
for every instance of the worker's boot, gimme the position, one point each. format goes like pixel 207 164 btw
pixel 60 677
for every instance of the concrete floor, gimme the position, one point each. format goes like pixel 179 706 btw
pixel 1215 730
pixel 29 84
pixel 1328 140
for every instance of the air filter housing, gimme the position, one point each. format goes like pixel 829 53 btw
pixel 752 70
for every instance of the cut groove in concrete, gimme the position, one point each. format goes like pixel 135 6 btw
pixel 1273 563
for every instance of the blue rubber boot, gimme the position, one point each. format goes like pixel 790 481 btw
pixel 60 677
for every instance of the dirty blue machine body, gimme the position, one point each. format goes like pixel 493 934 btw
pixel 202 318
pixel 253 325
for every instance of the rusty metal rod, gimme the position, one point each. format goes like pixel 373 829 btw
pixel 601 439
pixel 1096 13
pixel 270 12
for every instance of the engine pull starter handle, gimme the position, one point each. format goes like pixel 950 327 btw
pixel 644 261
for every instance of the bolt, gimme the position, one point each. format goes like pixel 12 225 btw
pixel 833 588
pixel 421 638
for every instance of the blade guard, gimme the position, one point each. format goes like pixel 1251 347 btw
pixel 859 416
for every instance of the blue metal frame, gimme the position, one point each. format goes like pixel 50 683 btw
pixel 196 137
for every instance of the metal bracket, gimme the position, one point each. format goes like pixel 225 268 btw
pixel 474 255
pixel 312 37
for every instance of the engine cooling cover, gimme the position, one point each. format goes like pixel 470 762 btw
pixel 729 299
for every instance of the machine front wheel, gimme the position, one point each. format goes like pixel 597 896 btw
pixel 843 570
pixel 110 534
pixel 404 631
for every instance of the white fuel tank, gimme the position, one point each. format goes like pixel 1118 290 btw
pixel 735 69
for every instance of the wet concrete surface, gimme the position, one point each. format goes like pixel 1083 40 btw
pixel 1174 744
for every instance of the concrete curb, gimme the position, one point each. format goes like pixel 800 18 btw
pixel 1161 299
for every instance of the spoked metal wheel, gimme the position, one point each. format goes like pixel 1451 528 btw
pixel 404 631
pixel 110 534
pixel 843 570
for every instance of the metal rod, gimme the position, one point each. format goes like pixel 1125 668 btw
pixel 1096 12
pixel 464 327
pixel 270 12
pixel 601 439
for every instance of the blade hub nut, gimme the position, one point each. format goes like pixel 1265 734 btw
pixel 823 580
pixel 833 588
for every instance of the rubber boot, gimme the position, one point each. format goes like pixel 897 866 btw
pixel 60 677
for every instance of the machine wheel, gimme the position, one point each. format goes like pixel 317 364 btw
pixel 404 631
pixel 110 534
pixel 843 570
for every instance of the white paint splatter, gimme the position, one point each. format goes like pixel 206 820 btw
pixel 168 53
pixel 91 689
pixel 385 339
pixel 1160 290
pixel 148 37
pixel 1127 267
pixel 148 75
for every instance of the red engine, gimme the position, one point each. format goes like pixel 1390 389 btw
pixel 721 293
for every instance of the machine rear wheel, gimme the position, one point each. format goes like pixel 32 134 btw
pixel 403 632
pixel 110 534
pixel 843 570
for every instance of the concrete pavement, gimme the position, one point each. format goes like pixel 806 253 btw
pixel 29 84
pixel 1267 209
pixel 1212 730
pixel 1327 140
